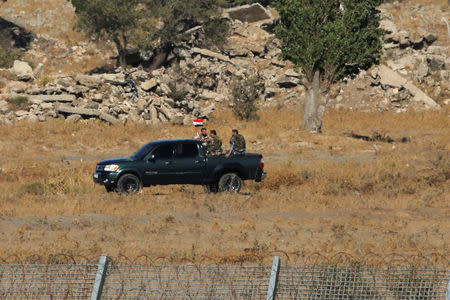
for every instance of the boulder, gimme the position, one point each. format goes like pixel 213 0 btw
pixel 108 118
pixel 422 71
pixel 178 120
pixel 249 13
pixel 46 106
pixel 149 84
pixel 291 73
pixel 65 109
pixel 209 95
pixel 421 97
pixel 73 118
pixel 20 113
pixel 116 79
pixel 205 112
pixel 91 81
pixel 390 78
pixel 211 54
pixel 53 98
pixel 22 70
pixel 3 107
pixel 430 37
pixel 287 82
pixel 436 62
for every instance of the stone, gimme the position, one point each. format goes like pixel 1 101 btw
pixel 211 54
pixel 98 97
pixel 422 71
pixel 388 25
pixel 22 70
pixel 32 118
pixel 205 112
pixel 421 97
pixel 291 73
pixel 278 63
pixel 108 118
pixel 65 109
pixel 91 81
pixel 287 82
pixel 209 95
pixel 116 79
pixel 16 87
pixel 167 112
pixel 53 98
pixel 430 37
pixel 249 13
pixel 20 113
pixel 403 38
pixel 390 78
pixel 46 105
pixel 149 84
pixel 178 120
pixel 436 62
pixel 77 89
pixel 73 118
pixel 270 92
pixel 416 40
pixel 3 107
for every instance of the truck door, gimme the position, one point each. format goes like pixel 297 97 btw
pixel 158 165
pixel 189 163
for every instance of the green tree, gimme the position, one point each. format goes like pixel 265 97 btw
pixel 328 40
pixel 175 18
pixel 111 19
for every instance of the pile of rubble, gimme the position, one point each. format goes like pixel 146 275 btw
pixel 198 79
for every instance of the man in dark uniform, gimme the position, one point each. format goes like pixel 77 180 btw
pixel 203 137
pixel 237 144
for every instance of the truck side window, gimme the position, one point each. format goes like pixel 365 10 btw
pixel 163 152
pixel 186 150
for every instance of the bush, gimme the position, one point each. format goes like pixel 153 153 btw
pixel 8 56
pixel 216 32
pixel 18 103
pixel 176 94
pixel 245 93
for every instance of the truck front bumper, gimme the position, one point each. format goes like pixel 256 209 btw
pixel 105 178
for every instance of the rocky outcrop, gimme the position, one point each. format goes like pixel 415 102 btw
pixel 249 13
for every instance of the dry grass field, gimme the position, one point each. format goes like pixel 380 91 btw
pixel 324 194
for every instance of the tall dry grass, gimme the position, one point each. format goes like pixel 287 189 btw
pixel 324 193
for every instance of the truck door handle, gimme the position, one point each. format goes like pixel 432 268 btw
pixel 167 163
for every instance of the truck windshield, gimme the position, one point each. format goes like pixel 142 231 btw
pixel 141 153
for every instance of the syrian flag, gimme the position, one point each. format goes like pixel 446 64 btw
pixel 198 122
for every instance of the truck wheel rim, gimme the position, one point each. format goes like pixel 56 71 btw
pixel 130 185
pixel 233 184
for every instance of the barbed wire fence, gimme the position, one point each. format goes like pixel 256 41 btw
pixel 289 277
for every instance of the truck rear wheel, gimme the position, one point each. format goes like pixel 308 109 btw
pixel 129 184
pixel 230 182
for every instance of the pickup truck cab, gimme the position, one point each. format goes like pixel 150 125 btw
pixel 178 162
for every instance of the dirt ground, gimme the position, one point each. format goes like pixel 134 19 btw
pixel 325 194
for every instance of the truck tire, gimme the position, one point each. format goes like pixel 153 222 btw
pixel 129 184
pixel 230 182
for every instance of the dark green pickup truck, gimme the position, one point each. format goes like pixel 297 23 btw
pixel 178 162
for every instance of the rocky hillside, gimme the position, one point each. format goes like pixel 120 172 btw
pixel 413 74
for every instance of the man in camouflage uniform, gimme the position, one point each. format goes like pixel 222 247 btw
pixel 237 144
pixel 215 144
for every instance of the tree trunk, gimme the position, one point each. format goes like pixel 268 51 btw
pixel 312 120
pixel 159 59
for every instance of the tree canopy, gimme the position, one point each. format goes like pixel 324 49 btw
pixel 329 39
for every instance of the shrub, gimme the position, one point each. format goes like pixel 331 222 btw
pixel 216 31
pixel 18 103
pixel 175 93
pixel 245 93
pixel 43 80
pixel 8 56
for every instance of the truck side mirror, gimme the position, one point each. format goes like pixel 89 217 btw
pixel 152 158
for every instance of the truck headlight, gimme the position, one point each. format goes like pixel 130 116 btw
pixel 111 168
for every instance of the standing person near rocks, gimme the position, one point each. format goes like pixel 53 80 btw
pixel 237 144
pixel 215 145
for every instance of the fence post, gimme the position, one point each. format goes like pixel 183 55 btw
pixel 100 278
pixel 271 291
pixel 447 296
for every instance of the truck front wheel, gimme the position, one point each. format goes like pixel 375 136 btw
pixel 129 184
pixel 230 182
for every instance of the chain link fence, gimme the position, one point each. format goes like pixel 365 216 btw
pixel 159 280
